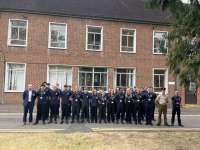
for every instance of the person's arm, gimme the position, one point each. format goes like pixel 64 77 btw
pixel 157 100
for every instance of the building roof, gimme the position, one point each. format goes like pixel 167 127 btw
pixel 119 10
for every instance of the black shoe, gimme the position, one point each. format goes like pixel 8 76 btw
pixel 180 125
pixel 62 122
pixel 151 124
pixel 166 124
pixel 172 124
pixel 49 122
pixel 55 122
pixel 24 123
pixel 44 123
pixel 158 124
pixel 35 123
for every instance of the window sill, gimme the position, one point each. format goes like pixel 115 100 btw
pixel 93 50
pixel 57 48
pixel 14 45
pixel 13 91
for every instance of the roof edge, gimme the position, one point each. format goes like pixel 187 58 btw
pixel 85 17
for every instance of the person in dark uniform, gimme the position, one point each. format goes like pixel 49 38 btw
pixel 41 105
pixel 143 94
pixel 150 90
pixel 54 104
pixel 176 109
pixel 58 108
pixel 93 106
pixel 137 100
pixel 149 102
pixel 111 106
pixel 102 106
pixel 128 106
pixel 120 102
pixel 76 105
pixel 85 104
pixel 134 98
pixel 29 97
pixel 48 97
pixel 66 97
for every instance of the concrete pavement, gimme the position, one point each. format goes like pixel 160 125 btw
pixel 11 121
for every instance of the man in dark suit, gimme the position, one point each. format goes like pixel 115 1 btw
pixel 29 97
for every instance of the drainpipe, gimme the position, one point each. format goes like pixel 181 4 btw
pixel 2 60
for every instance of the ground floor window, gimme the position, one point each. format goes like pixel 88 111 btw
pixel 124 78
pixel 90 78
pixel 160 79
pixel 15 77
pixel 59 74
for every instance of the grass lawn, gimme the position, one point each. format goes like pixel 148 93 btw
pixel 101 141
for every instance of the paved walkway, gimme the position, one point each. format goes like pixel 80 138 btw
pixel 11 121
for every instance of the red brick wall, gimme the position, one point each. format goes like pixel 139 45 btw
pixel 37 55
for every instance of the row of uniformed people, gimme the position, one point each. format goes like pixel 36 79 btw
pixel 115 106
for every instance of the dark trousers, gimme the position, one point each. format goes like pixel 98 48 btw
pixel 176 110
pixel 94 114
pixel 137 113
pixel 85 113
pixel 53 113
pixel 120 113
pixel 66 110
pixel 102 114
pixel 148 113
pixel 128 113
pixel 153 111
pixel 41 112
pixel 111 113
pixel 75 113
pixel 28 109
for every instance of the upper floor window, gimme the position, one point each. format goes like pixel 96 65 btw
pixel 128 40
pixel 160 42
pixel 15 77
pixel 94 39
pixel 18 32
pixel 57 35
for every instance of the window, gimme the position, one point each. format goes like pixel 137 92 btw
pixel 59 74
pixel 15 77
pixel 159 79
pixel 94 38
pixel 93 78
pixel 160 42
pixel 18 32
pixel 57 35
pixel 128 40
pixel 125 78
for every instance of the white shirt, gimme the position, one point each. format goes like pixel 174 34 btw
pixel 29 95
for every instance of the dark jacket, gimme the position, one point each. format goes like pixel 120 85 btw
pixel 25 97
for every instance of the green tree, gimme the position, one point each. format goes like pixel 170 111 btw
pixel 184 38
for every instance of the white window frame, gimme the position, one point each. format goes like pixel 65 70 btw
pixel 48 65
pixel 167 47
pixel 6 78
pixel 9 33
pixel 93 75
pixel 49 37
pixel 166 78
pixel 134 42
pixel 101 45
pixel 134 75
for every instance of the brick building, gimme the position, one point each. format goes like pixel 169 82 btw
pixel 90 44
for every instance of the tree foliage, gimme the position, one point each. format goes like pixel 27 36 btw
pixel 184 38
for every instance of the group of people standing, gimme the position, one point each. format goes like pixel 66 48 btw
pixel 115 106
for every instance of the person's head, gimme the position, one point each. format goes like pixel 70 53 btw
pixel 163 91
pixel 42 87
pixel 54 87
pixel 128 91
pixel 176 93
pixel 30 86
pixel 57 85
pixel 94 91
pixel 150 89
